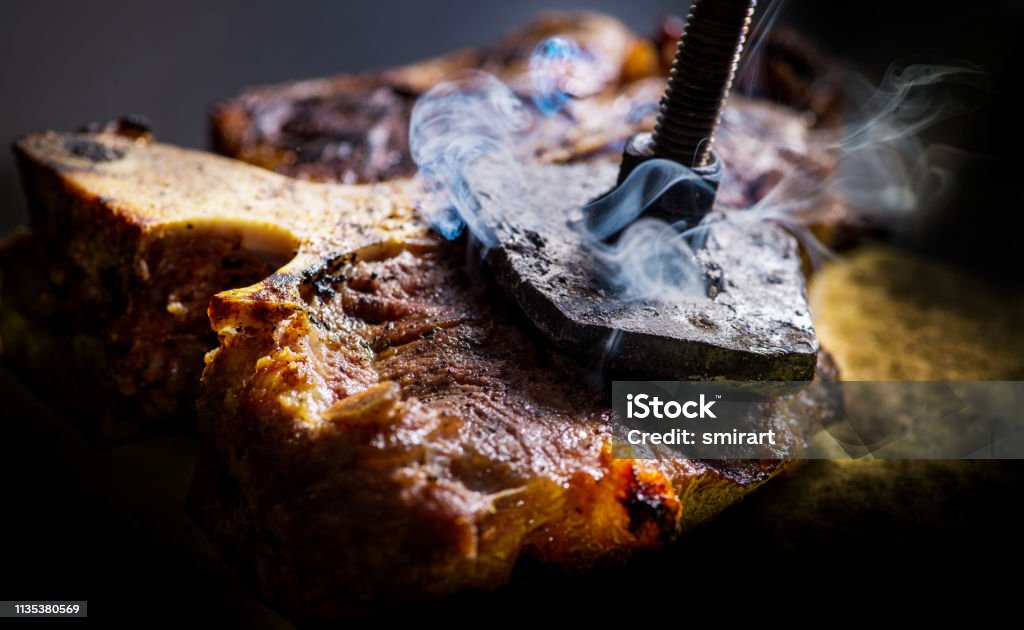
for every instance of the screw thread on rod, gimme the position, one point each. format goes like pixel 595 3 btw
pixel 702 74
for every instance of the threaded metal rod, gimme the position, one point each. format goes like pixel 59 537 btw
pixel 702 74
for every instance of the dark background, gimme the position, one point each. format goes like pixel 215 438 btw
pixel 63 63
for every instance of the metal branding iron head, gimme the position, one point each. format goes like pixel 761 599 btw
pixel 753 321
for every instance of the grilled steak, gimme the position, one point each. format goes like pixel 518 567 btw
pixel 380 426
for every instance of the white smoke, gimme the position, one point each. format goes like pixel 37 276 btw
pixel 884 169
pixel 471 137
pixel 883 172
pixel 464 134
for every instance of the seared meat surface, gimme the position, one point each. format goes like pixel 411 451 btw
pixel 356 136
pixel 458 444
pixel 354 128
